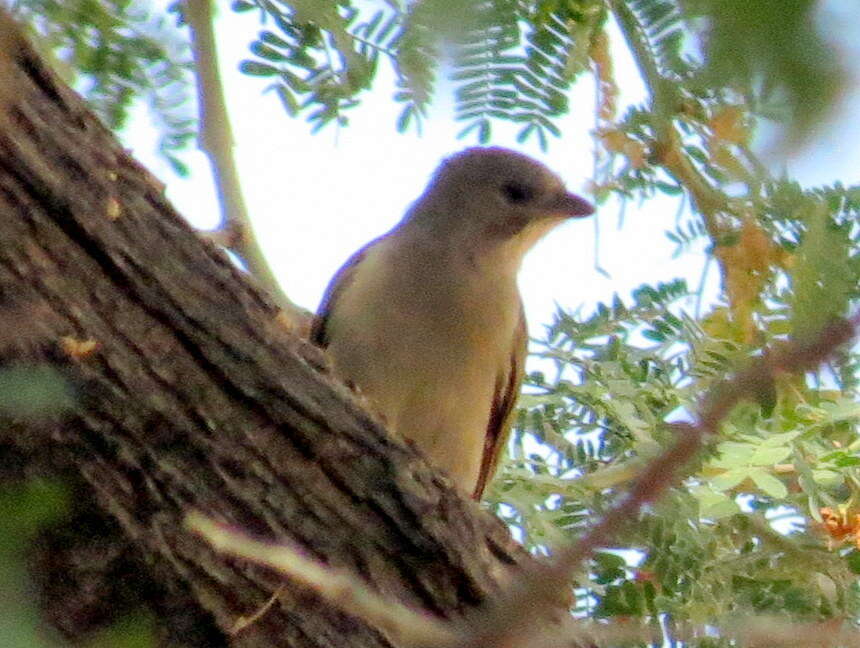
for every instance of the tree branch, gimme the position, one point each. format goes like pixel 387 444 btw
pixel 235 231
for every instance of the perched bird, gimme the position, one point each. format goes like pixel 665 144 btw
pixel 427 320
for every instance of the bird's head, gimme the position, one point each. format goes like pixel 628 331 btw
pixel 494 195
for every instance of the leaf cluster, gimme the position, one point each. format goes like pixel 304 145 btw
pixel 507 60
pixel 771 52
pixel 751 529
pixel 513 61
pixel 116 52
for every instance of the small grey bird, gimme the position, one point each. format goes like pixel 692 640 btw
pixel 427 320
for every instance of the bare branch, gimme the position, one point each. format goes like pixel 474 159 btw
pixel 216 141
pixel 400 624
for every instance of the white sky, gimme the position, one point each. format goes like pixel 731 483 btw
pixel 315 199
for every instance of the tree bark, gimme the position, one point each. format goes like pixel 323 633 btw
pixel 190 395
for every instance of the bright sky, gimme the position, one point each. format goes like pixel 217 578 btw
pixel 315 199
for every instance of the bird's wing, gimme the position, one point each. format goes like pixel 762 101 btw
pixel 508 384
pixel 340 281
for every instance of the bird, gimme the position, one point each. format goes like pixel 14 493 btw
pixel 427 321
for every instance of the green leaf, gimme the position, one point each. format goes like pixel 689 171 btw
pixel 25 508
pixel 713 504
pixel 846 461
pixel 34 392
pixel 256 68
pixel 729 479
pixel 853 561
pixel 288 100
pixel 842 410
pixel 769 484
pixel 821 285
pixel 780 42
pixel 827 478
pixel 732 455
pixel 268 53
pixel 273 39
pixel 779 439
pixel 768 456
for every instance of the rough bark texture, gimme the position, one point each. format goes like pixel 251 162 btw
pixel 194 398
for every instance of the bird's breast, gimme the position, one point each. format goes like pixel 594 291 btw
pixel 426 342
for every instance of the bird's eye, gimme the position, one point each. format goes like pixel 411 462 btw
pixel 517 193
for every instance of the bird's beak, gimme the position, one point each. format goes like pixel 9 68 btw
pixel 569 205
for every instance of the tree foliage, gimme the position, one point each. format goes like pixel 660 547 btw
pixel 509 60
pixel 117 52
pixel 768 521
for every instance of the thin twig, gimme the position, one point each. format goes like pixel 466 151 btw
pixel 707 199
pixel 216 141
pixel 403 626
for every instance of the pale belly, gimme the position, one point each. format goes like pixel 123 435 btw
pixel 437 395
pixel 428 365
